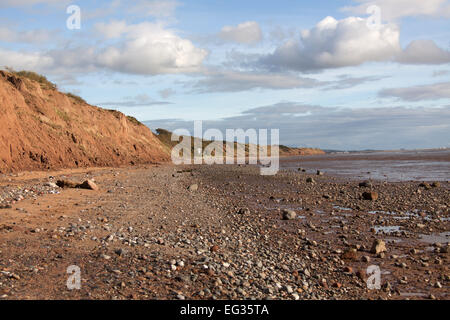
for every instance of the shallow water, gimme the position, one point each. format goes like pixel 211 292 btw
pixel 427 165
pixel 442 238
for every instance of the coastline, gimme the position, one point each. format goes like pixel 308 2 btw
pixel 144 235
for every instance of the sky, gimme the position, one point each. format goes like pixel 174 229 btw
pixel 346 75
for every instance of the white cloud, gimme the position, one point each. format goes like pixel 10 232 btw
pixel 148 48
pixel 25 61
pixel 337 43
pixel 435 91
pixel 145 48
pixel 140 100
pixel 235 81
pixel 155 8
pixel 30 36
pixel 395 9
pixel 113 29
pixel 244 33
pixel 28 3
pixel 424 52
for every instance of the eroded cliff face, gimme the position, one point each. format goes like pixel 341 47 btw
pixel 42 128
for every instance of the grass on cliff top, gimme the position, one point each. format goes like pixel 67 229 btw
pixel 42 80
pixel 76 98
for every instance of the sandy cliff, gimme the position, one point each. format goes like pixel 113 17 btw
pixel 42 128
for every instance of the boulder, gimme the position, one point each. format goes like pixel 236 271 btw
pixel 88 185
pixel 289 214
pixel 378 246
pixel 193 187
pixel 66 184
pixel 372 196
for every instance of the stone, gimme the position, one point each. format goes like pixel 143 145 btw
pixel 193 187
pixel 88 185
pixel 365 184
pixel 350 254
pixel 289 214
pixel 66 184
pixel 378 246
pixel 51 185
pixel 319 173
pixel 120 252
pixel 310 180
pixel 361 275
pixel 436 184
pixel 425 185
pixel 244 211
pixel 372 196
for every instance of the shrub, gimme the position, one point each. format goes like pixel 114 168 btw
pixel 42 80
pixel 76 98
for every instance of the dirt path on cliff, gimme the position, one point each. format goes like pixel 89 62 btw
pixel 146 235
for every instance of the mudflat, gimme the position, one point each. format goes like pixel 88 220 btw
pixel 392 166
pixel 150 233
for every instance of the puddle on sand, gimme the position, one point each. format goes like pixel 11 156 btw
pixel 386 229
pixel 342 208
pixel 443 237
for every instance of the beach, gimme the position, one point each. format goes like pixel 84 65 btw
pixel 223 232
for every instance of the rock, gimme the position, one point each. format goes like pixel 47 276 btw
pixel 244 211
pixel 365 259
pixel 348 269
pixel 365 184
pixel 214 248
pixel 120 252
pixel 66 184
pixel 88 185
pixel 310 180
pixel 5 206
pixel 289 214
pixel 436 184
pixel 425 185
pixel 372 196
pixel 350 254
pixel 193 187
pixel 378 246
pixel 289 289
pixel 361 275
pixel 319 173
pixel 51 185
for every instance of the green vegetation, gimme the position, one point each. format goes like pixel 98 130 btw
pixel 62 114
pixel 42 80
pixel 78 99
pixel 134 120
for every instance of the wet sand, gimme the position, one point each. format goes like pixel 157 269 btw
pixel 431 165
pixel 144 235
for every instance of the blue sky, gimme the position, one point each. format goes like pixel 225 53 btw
pixel 318 70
